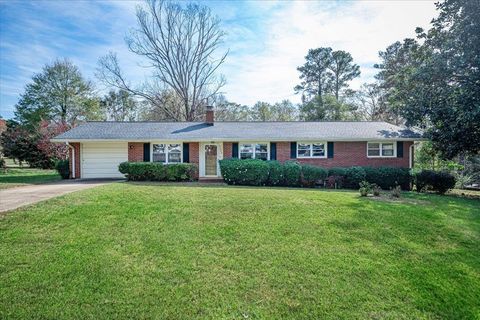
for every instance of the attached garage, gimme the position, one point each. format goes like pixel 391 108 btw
pixel 101 159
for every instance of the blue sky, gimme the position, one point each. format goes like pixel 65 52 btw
pixel 267 40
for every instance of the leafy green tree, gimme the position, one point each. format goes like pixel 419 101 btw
pixel 315 74
pixel 119 106
pixel 280 111
pixel 434 82
pixel 58 93
pixel 343 70
pixel 330 109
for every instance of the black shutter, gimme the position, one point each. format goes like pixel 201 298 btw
pixel 146 152
pixel 186 153
pixel 273 151
pixel 399 149
pixel 293 150
pixel 235 150
pixel 330 149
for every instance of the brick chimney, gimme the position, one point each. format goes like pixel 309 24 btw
pixel 209 116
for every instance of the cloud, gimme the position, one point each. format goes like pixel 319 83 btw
pixel 268 70
pixel 267 39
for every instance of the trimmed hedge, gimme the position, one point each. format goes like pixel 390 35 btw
pixel 271 173
pixel 353 177
pixel 63 169
pixel 389 177
pixel 248 172
pixel 312 174
pixel 153 171
pixel 438 181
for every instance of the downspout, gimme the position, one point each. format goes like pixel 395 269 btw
pixel 73 158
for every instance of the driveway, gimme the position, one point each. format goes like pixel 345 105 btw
pixel 21 196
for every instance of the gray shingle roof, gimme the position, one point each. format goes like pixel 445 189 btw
pixel 237 131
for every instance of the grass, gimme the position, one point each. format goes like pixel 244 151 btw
pixel 164 251
pixel 15 177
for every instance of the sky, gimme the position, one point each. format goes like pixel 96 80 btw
pixel 267 40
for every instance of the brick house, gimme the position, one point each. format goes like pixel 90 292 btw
pixel 96 148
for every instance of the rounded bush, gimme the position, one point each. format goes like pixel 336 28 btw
pixel 154 171
pixel 312 174
pixel 63 169
pixel 438 181
pixel 291 173
pixel 353 177
pixel 389 177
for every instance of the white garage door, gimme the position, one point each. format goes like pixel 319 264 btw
pixel 101 160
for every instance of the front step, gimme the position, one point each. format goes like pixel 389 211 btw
pixel 210 180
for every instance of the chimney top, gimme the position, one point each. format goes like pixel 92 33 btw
pixel 209 116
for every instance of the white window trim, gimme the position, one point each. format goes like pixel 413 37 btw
pixel 253 142
pixel 381 148
pixel 325 144
pixel 166 154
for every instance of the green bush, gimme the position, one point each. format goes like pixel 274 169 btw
pixel 252 172
pixel 353 177
pixel 275 173
pixel 341 172
pixel 389 177
pixel 312 174
pixel 438 181
pixel 154 171
pixel 63 169
pixel 291 173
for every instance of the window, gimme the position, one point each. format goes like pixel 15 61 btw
pixel 254 151
pixel 311 150
pixel 167 153
pixel 381 149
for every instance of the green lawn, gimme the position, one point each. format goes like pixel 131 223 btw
pixel 14 177
pixel 181 252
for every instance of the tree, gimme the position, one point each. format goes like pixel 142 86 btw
pixel 181 44
pixel 435 81
pixel 315 74
pixel 330 109
pixel 46 131
pixel 343 70
pixel 370 103
pixel 20 144
pixel 230 111
pixel 280 111
pixel 119 106
pixel 59 93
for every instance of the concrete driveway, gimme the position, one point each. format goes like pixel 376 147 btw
pixel 21 196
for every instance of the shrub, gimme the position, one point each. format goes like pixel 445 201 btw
pixel 336 178
pixel 376 190
pixel 396 192
pixel 252 172
pixel 291 173
pixel 142 171
pixel 389 177
pixel 365 188
pixel 439 182
pixel 353 177
pixel 63 169
pixel 275 173
pixel 311 174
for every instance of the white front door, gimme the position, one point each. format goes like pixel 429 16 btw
pixel 210 153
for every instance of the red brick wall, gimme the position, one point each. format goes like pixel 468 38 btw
pixel 227 149
pixel 194 152
pixel 76 146
pixel 135 151
pixel 346 154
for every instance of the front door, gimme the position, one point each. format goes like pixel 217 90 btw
pixel 210 154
